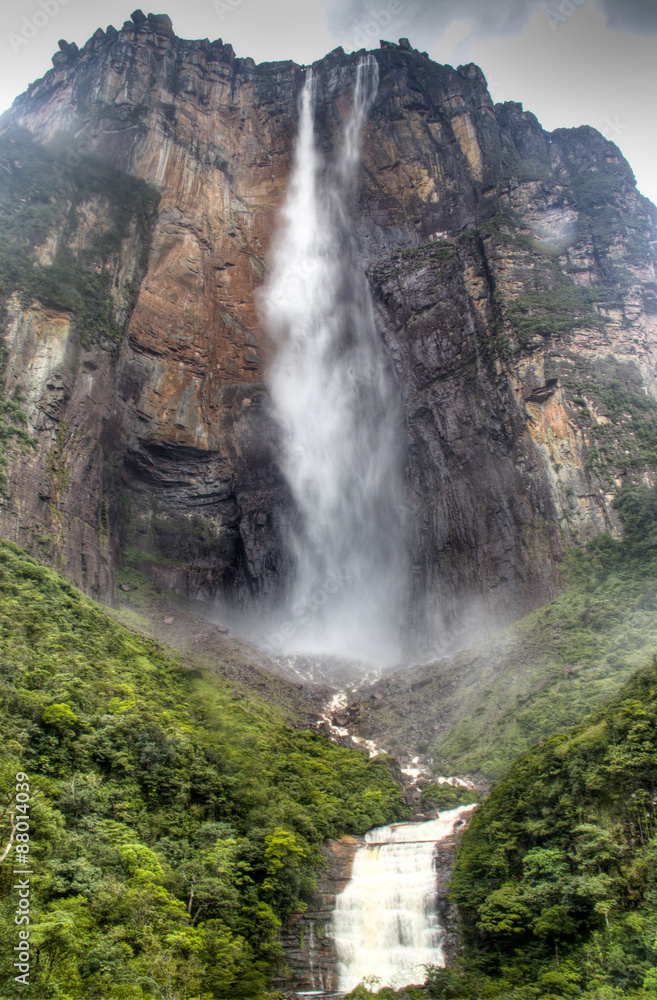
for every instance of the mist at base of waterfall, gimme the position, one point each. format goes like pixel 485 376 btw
pixel 312 663
pixel 269 628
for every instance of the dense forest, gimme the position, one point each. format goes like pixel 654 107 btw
pixel 174 822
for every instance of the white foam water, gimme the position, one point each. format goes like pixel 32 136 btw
pixel 385 921
pixel 335 404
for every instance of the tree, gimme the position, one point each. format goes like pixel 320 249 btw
pixel 555 925
pixel 503 914
pixel 289 872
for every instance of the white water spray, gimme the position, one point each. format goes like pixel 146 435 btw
pixel 335 404
pixel 385 921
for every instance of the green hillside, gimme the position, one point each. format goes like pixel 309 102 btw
pixel 174 820
pixel 556 877
pixel 481 709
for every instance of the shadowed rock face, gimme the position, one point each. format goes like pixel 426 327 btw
pixel 514 279
pixel 308 943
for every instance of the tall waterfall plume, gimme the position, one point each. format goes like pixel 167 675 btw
pixel 336 407
pixel 385 921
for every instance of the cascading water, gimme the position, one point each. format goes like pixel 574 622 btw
pixel 335 404
pixel 385 922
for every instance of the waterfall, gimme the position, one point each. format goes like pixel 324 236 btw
pixel 335 405
pixel 385 921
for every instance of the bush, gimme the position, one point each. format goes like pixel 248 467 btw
pixel 444 797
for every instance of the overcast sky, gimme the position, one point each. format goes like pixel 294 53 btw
pixel 571 62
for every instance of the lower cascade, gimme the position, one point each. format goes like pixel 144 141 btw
pixel 385 923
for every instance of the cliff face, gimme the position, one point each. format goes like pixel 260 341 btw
pixel 513 273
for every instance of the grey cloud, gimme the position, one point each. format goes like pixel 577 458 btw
pixel 425 21
pixel 637 16
pixel 363 22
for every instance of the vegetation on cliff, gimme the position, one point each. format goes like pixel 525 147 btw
pixel 575 652
pixel 12 423
pixel 624 442
pixel 174 822
pixel 43 195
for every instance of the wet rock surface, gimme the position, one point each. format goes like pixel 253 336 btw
pixel 308 945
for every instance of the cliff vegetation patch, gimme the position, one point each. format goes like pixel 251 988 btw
pixel 553 313
pixel 572 654
pixel 42 253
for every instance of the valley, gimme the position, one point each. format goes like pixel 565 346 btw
pixel 328 533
